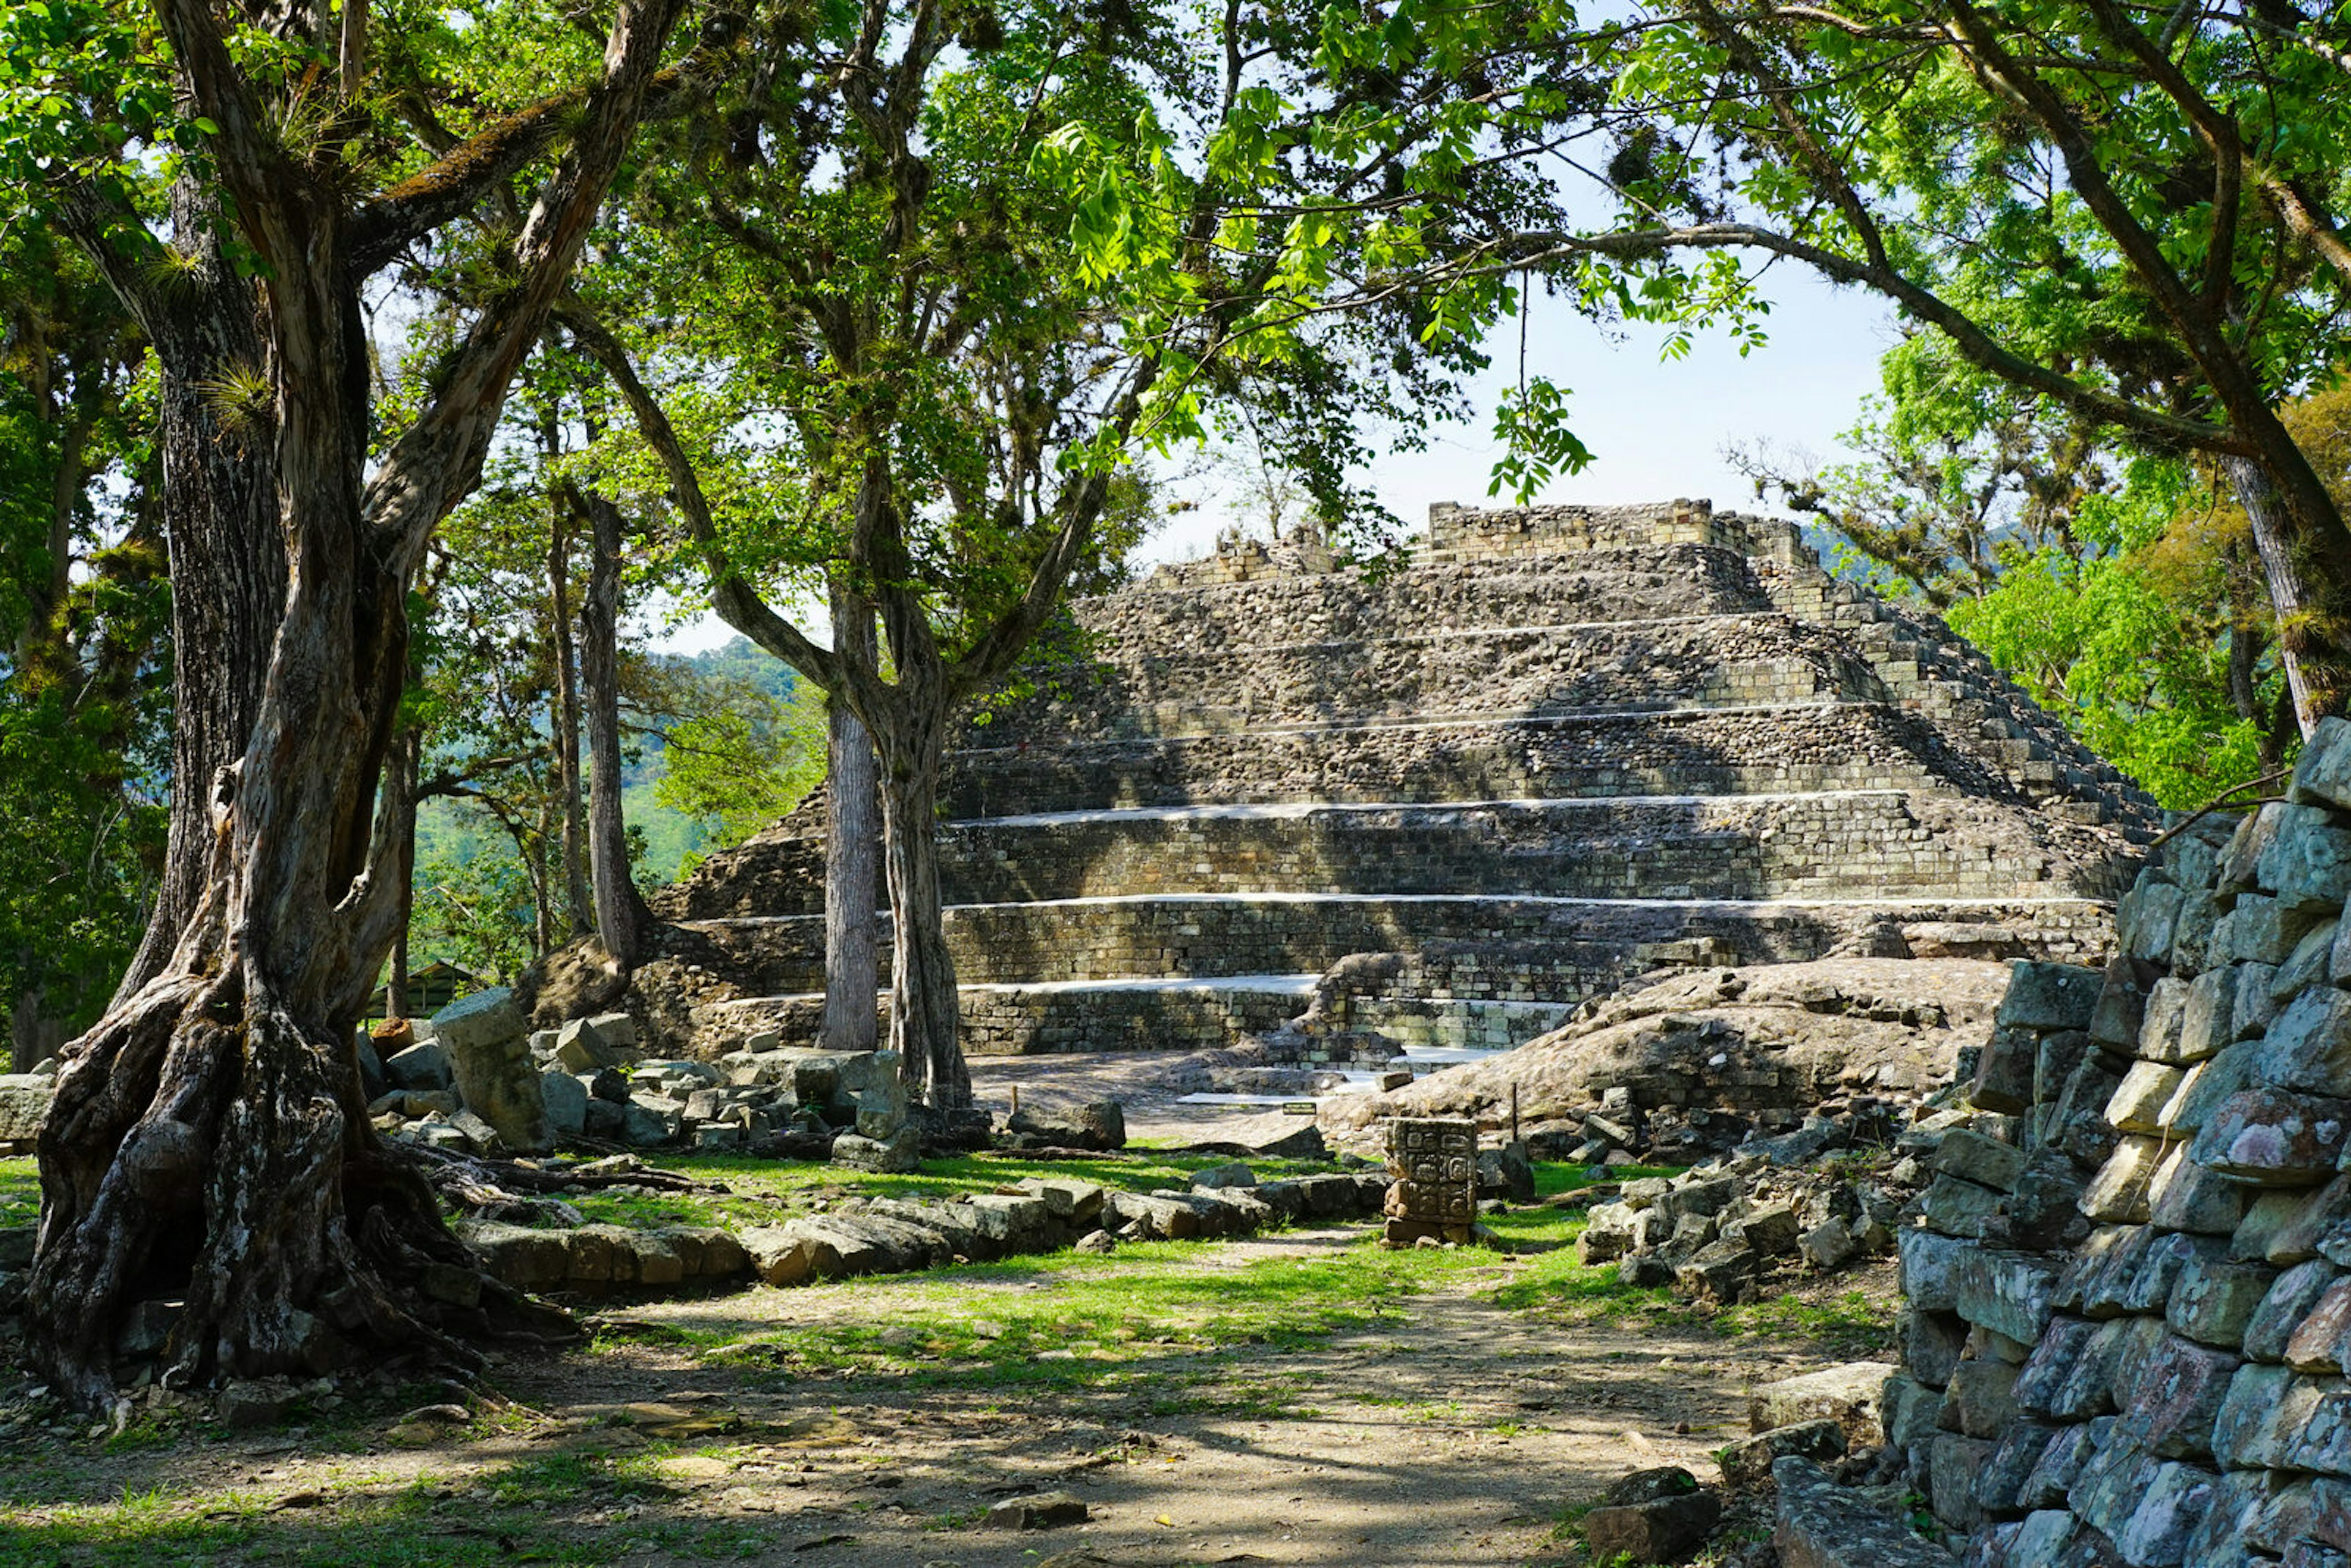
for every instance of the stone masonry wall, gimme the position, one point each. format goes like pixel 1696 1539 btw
pixel 2128 1309
pixel 1140 938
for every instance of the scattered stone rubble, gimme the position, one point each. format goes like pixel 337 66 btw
pixel 887 1236
pixel 476 1080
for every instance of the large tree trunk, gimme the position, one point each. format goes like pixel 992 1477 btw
pixel 623 924
pixel 923 1013
pixel 579 902
pixel 227 553
pixel 207 1142
pixel 2310 589
pixel 851 844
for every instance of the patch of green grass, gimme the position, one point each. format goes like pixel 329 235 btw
pixel 20 1190
pixel 1848 1324
pixel 1555 1177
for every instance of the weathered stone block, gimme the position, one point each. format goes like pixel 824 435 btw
pixel 2260 930
pixel 581 1047
pixel 2309 966
pixel 23 1101
pixel 2004 1079
pixel 2016 1454
pixel 1909 1411
pixel 2187 1197
pixel 2138 1102
pixel 2112 1485
pixel 2318 1342
pixel 2052 996
pixel 1986 1161
pixel 2309 1046
pixel 2010 1294
pixel 2322 775
pixel 2122 1002
pixel 1952 1465
pixel 2255 1006
pixel 2191 932
pixel 2061 1461
pixel 2274 1137
pixel 2286 1226
pixel 1749 1461
pixel 2042 1383
pixel 1980 1399
pixel 2322 1442
pixel 2306 865
pixel 2077 1122
pixel 2042 1540
pixel 899 1153
pixel 1038 1510
pixel 2265 1408
pixel 1930 1267
pixel 2178 1394
pixel 2208 1083
pixel 1820 1524
pixel 2214 1301
pixel 2044 1211
pixel 1660 1515
pixel 422 1068
pixel 2160 1024
pixel 2204 1022
pixel 2118 1194
pixel 488 1038
pixel 1931 1344
pixel 2282 1309
pixel 2177 1498
pixel 2145 920
pixel 1958 1208
pixel 1849 1395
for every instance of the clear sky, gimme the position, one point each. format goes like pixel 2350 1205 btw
pixel 1656 429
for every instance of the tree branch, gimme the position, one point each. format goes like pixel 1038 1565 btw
pixel 441 455
pixel 737 602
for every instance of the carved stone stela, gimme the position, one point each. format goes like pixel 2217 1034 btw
pixel 1433 1192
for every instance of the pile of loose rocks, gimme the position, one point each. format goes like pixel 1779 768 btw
pixel 888 1236
pixel 1830 1195
pixel 475 1080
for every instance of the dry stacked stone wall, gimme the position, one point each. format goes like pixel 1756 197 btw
pixel 2127 1322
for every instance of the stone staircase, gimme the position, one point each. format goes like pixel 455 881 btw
pixel 1560 747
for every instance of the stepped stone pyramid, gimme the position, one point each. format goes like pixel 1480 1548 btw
pixel 1561 745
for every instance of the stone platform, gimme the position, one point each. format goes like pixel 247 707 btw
pixel 1561 745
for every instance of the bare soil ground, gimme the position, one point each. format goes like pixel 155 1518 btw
pixel 831 1427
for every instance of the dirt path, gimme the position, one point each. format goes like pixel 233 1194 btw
pixel 1451 1435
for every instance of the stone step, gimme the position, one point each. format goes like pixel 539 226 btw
pixel 1777 748
pixel 1153 936
pixel 1153 1014
pixel 1819 844
pixel 1829 844
pixel 1736 661
pixel 1632 583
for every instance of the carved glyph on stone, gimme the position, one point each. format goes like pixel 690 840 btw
pixel 1433 1170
